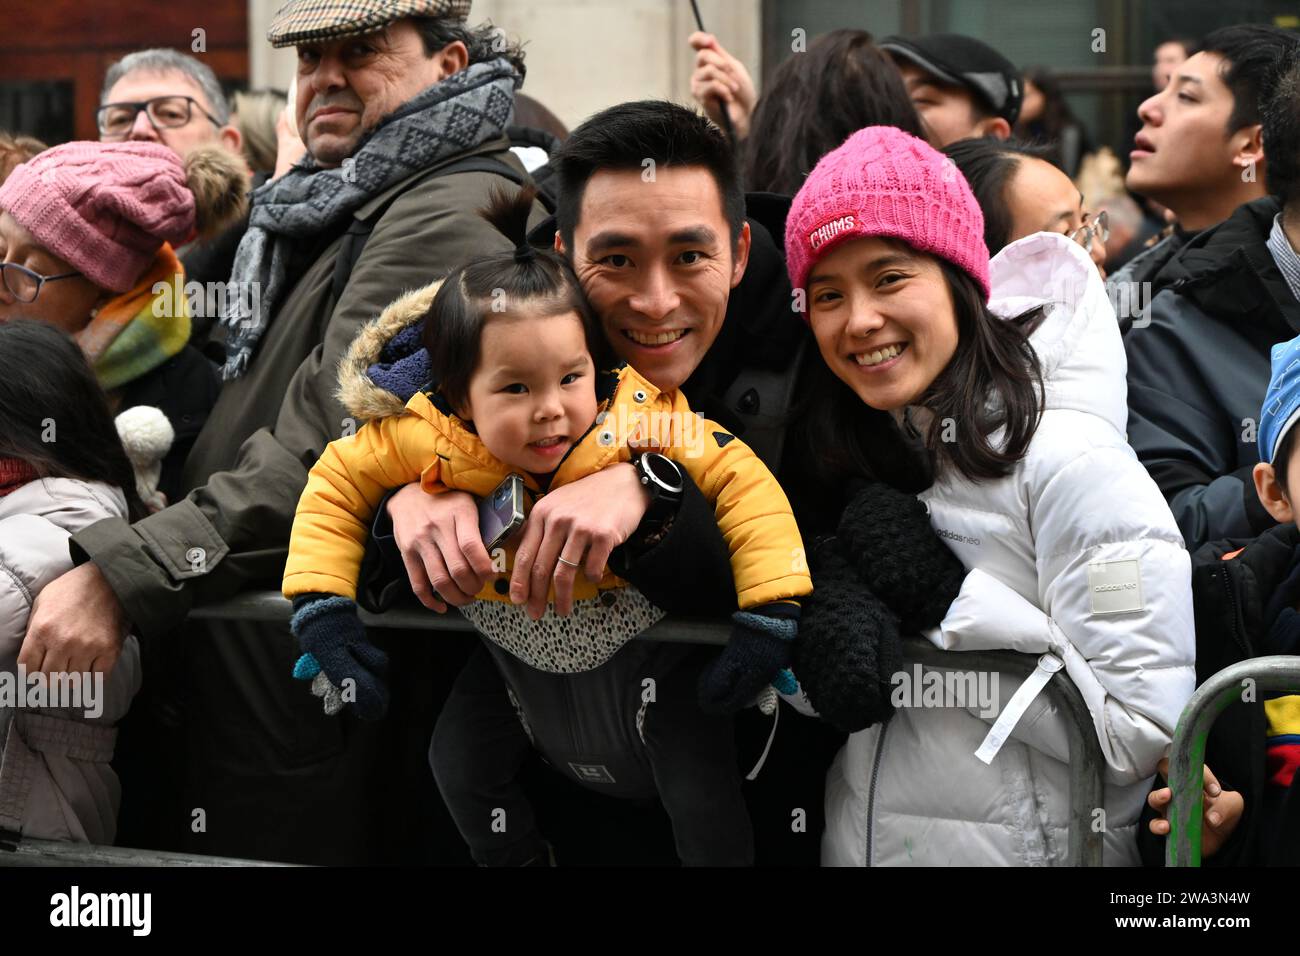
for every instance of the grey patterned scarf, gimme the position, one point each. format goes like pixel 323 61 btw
pixel 452 116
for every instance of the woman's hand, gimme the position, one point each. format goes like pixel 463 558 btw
pixel 721 80
pixel 1221 810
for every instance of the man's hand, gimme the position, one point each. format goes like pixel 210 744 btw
pixel 441 546
pixel 719 76
pixel 1220 810
pixel 77 625
pixel 581 522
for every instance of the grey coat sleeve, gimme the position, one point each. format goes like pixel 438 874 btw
pixel 1181 427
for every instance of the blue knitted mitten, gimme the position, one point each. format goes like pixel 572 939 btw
pixel 342 664
pixel 758 653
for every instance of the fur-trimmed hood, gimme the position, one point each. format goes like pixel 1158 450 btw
pixel 386 363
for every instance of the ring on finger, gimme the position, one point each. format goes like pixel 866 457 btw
pixel 563 560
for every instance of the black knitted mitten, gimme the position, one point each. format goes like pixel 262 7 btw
pixel 887 535
pixel 849 646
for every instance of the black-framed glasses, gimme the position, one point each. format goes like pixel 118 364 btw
pixel 116 120
pixel 1100 227
pixel 24 284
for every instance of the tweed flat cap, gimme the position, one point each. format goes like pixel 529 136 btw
pixel 303 21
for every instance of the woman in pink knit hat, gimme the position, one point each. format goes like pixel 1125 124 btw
pixel 87 232
pixel 1004 380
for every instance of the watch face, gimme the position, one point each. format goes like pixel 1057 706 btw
pixel 664 471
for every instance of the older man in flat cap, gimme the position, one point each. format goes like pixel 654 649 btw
pixel 403 109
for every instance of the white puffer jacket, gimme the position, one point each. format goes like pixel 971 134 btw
pixel 1074 555
pixel 55 778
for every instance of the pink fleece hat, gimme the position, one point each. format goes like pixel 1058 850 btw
pixel 106 208
pixel 884 182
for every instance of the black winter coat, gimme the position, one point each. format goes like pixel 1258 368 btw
pixel 185 388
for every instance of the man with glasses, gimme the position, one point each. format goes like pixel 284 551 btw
pixel 163 96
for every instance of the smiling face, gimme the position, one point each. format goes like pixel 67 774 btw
pixel 346 86
pixel 1183 151
pixel 533 394
pixel 883 318
pixel 1041 198
pixel 657 264
pixel 64 304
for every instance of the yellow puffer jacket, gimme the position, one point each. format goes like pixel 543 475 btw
pixel 427 444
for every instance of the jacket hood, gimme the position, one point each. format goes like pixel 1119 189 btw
pixel 1078 344
pixel 386 364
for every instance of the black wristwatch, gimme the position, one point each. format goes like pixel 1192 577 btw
pixel 663 479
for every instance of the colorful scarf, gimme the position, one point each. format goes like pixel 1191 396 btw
pixel 139 330
pixel 454 115
pixel 14 473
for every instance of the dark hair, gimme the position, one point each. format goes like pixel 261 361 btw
pixel 793 127
pixel 501 285
pixel 53 414
pixel 989 165
pixel 992 381
pixel 625 136
pixel 1282 461
pixel 1252 52
pixel 1282 135
pixel 484 42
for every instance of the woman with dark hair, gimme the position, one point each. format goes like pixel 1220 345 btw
pixel 61 469
pixel 1006 381
pixel 1020 192
pixel 843 83
pixel 1046 118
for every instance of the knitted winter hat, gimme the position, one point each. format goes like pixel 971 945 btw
pixel 884 182
pixel 1281 407
pixel 106 208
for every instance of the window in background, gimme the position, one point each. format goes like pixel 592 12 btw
pixel 40 108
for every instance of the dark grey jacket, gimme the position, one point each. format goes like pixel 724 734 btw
pixel 1198 372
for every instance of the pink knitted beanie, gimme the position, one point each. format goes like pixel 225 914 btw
pixel 105 208
pixel 884 182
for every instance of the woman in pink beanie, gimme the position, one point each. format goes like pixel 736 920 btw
pixel 1005 380
pixel 87 232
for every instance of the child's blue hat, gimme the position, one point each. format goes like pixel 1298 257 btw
pixel 1282 401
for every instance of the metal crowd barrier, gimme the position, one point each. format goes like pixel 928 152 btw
pixel 46 853
pixel 1187 757
pixel 1087 765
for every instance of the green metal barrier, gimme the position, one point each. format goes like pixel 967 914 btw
pixel 1187 756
